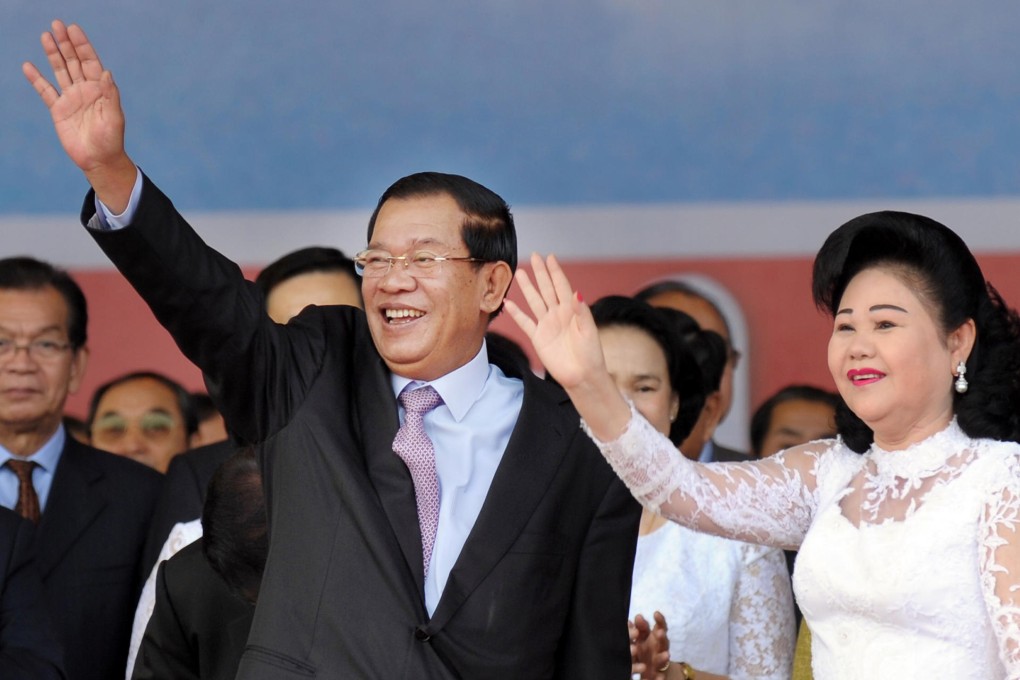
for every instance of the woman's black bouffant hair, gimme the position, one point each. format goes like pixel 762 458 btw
pixel 936 264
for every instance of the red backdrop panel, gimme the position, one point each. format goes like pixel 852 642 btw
pixel 787 336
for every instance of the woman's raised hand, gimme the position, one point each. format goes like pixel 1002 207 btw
pixel 562 331
pixel 566 339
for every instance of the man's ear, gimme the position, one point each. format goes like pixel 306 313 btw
pixel 712 413
pixel 497 280
pixel 79 361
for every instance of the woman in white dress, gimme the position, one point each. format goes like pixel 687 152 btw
pixel 909 561
pixel 727 604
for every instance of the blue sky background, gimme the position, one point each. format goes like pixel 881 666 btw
pixel 264 105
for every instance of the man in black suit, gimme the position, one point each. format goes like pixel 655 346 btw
pixel 29 649
pixel 94 506
pixel 529 572
pixel 205 594
pixel 313 275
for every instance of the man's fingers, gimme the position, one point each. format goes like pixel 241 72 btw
pixel 91 66
pixel 46 91
pixel 56 60
pixel 68 52
pixel 70 55
pixel 108 89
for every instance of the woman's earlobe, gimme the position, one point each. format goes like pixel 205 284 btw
pixel 961 341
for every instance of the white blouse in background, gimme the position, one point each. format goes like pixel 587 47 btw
pixel 728 604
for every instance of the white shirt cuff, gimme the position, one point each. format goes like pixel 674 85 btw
pixel 107 221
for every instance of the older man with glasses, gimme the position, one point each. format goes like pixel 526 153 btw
pixel 92 508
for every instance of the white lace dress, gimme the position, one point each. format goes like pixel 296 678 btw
pixel 727 603
pixel 909 563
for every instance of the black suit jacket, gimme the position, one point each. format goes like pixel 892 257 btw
pixel 29 649
pixel 183 495
pixel 542 585
pixel 198 628
pixel 88 553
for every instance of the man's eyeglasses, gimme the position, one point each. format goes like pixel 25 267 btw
pixel 40 350
pixel 422 264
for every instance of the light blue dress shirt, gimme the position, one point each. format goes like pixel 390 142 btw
pixel 469 431
pixel 46 459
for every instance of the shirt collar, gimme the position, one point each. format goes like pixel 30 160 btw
pixel 459 388
pixel 707 452
pixel 47 456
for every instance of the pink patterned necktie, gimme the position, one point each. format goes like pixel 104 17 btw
pixel 414 447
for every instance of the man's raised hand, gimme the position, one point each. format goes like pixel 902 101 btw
pixel 86 111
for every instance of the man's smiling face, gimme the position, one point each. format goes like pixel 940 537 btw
pixel 427 326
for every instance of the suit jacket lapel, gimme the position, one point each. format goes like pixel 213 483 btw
pixel 73 504
pixel 378 418
pixel 530 461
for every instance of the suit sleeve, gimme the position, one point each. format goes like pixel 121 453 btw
pixel 29 649
pixel 164 651
pixel 596 644
pixel 179 501
pixel 259 370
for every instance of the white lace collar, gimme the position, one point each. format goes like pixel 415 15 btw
pixel 922 459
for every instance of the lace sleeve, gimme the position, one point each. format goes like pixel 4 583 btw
pixel 761 620
pixel 999 544
pixel 768 501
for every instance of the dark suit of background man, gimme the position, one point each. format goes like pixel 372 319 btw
pixel 95 506
pixel 206 593
pixel 531 569
pixel 29 649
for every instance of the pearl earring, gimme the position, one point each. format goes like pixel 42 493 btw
pixel 961 384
